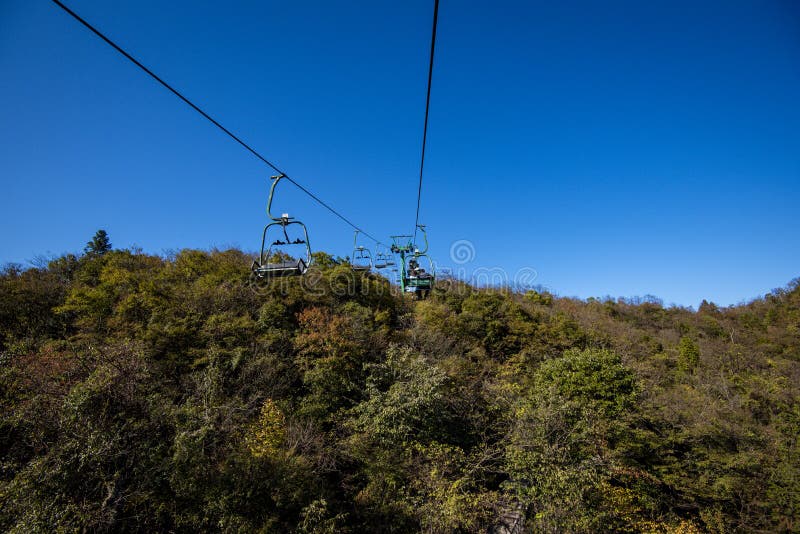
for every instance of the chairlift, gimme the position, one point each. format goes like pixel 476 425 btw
pixel 272 262
pixel 414 279
pixel 383 258
pixel 362 258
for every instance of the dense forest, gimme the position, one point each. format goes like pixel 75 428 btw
pixel 164 393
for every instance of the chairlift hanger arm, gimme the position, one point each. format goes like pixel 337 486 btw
pixel 425 237
pixel 285 217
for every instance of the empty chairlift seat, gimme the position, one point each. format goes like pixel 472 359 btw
pixel 272 261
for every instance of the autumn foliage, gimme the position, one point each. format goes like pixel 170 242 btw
pixel 147 393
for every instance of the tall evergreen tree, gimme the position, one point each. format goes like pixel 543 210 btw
pixel 99 245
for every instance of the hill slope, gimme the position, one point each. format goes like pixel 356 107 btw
pixel 148 393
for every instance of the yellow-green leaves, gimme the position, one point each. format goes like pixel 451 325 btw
pixel 267 433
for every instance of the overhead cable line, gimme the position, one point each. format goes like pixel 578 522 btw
pixel 427 108
pixel 208 117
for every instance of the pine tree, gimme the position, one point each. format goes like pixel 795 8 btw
pixel 99 245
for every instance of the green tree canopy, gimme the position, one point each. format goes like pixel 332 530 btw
pixel 164 394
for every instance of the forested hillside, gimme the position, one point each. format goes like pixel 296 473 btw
pixel 147 393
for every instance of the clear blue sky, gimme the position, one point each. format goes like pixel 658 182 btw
pixel 619 148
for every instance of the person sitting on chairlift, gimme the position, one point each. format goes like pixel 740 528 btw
pixel 415 271
pixel 413 268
